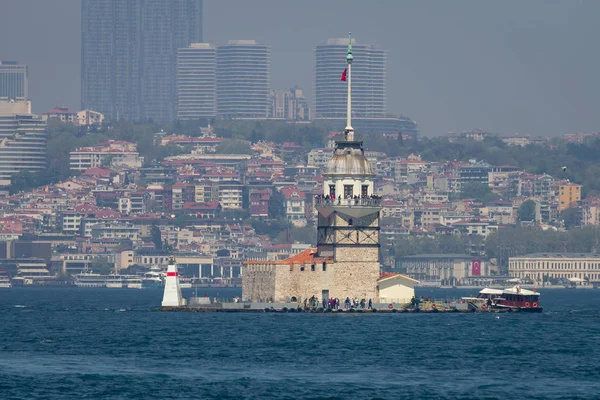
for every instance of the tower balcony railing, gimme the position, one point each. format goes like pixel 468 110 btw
pixel 366 201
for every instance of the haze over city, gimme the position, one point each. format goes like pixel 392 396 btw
pixel 510 67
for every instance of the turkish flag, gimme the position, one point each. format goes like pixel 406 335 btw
pixel 476 268
pixel 344 74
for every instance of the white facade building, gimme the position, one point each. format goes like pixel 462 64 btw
pixel 89 117
pixel 22 140
pixel 368 75
pixel 197 81
pixel 117 153
pixel 243 79
pixel 544 266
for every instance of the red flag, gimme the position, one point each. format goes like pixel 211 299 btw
pixel 344 75
pixel 476 268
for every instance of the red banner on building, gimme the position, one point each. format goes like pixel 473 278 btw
pixel 476 268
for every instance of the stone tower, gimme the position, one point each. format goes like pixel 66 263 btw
pixel 348 213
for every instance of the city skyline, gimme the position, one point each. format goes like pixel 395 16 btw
pixel 509 67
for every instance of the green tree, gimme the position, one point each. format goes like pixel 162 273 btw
pixel 271 227
pixel 156 237
pixel 479 191
pixel 276 205
pixel 234 146
pixel 526 211
pixel 571 217
pixel 101 265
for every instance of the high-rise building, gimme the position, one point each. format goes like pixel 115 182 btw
pixel 289 104
pixel 243 79
pixel 128 55
pixel 196 81
pixel 368 85
pixel 13 81
pixel 110 58
pixel 167 25
pixel 22 140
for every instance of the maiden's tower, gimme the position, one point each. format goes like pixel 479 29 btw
pixel 345 262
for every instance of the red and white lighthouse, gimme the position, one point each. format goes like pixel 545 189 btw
pixel 172 294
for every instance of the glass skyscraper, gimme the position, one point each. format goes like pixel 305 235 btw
pixel 196 81
pixel 13 81
pixel 128 57
pixel 243 79
pixel 368 80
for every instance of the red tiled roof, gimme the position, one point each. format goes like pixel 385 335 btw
pixel 385 275
pixel 292 192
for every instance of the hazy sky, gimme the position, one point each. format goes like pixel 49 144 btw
pixel 509 66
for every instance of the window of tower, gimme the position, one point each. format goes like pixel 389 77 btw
pixel 364 190
pixel 348 191
pixel 312 267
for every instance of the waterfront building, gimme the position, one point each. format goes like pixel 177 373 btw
pixel 196 81
pixel 22 140
pixel 14 84
pixel 345 262
pixel 448 269
pixel 128 55
pixel 546 267
pixel 243 79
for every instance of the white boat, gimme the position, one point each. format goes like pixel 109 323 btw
pixel 511 299
pixel 185 283
pixel 132 281
pixel 4 280
pixel 91 280
pixel 578 283
pixel 153 278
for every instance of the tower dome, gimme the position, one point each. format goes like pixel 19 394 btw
pixel 349 161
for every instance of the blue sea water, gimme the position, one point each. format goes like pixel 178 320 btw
pixel 72 343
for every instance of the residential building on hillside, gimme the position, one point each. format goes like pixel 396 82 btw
pixel 295 206
pixel 475 172
pixel 197 81
pixel 569 195
pixel 89 117
pixel 231 195
pixel 14 81
pixel 243 79
pixel 259 202
pixel 319 157
pixel 60 113
pixel 590 212
pixel 113 152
